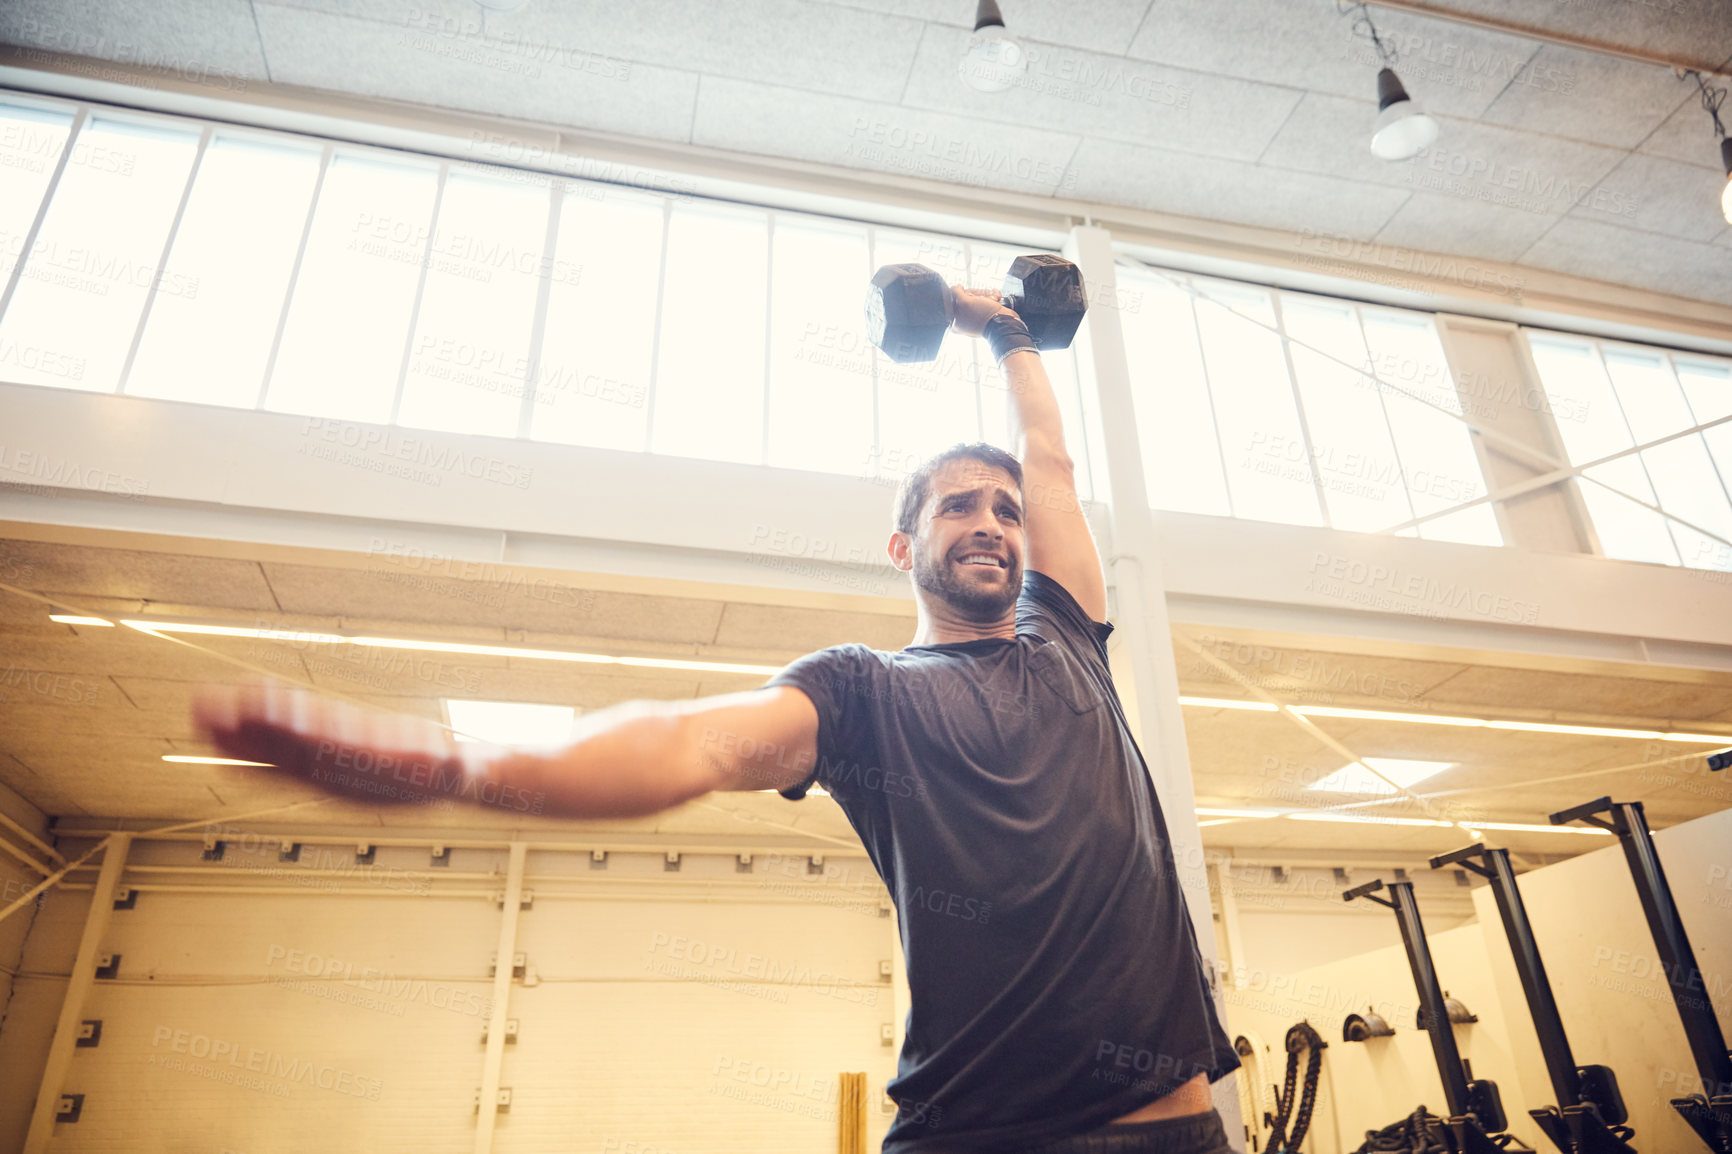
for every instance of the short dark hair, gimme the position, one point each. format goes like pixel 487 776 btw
pixel 917 486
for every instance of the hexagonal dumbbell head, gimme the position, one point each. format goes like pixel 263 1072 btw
pixel 908 311
pixel 1047 293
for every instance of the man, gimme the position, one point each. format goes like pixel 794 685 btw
pixel 1060 1005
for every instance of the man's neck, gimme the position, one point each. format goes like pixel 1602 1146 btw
pixel 937 632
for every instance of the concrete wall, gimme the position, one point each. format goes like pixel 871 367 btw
pixel 687 1013
pixel 1602 967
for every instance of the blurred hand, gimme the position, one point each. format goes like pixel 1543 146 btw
pixel 364 755
pixel 973 308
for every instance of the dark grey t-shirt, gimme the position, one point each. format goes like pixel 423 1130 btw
pixel 1054 974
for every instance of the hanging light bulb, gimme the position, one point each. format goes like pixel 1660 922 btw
pixel 1712 99
pixel 1403 130
pixel 1726 193
pixel 993 60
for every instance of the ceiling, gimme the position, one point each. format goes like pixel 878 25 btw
pixel 86 714
pixel 1253 112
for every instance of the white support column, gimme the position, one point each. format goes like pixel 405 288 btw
pixel 1135 570
pixel 495 1060
pixel 1233 965
pixel 83 976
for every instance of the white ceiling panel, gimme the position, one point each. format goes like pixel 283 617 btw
pixel 757 117
pixel 1308 44
pixel 452 69
pixel 1654 194
pixel 1107 97
pixel 1444 222
pixel 212 42
pixel 821 48
pixel 1621 255
pixel 1253 194
pixel 1587 96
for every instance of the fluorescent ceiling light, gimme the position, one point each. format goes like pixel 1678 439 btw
pixel 1351 820
pixel 234 631
pixel 511 722
pixel 1538 828
pixel 1378 715
pixel 211 760
pixel 1247 811
pixel 1355 778
pixel 144 626
pixel 1584 730
pixel 1216 821
pixel 70 619
pixel 1520 726
pixel 1229 703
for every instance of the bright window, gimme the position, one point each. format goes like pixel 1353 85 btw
pixel 31 141
pixel 214 314
pixel 593 376
pixel 469 356
pixel 708 398
pixel 349 315
pixel 85 280
pixel 1633 396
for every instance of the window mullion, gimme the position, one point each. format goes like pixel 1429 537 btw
pixel 656 334
pixel 1612 388
pixel 79 120
pixel 420 290
pixel 204 140
pixel 325 156
pixel 1208 391
pixel 1383 407
pixel 1299 410
pixel 769 313
pixel 543 293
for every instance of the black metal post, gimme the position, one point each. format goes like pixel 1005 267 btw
pixel 1683 977
pixel 1710 1112
pixel 1437 1022
pixel 1588 1102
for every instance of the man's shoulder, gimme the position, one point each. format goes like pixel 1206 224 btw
pixel 1043 598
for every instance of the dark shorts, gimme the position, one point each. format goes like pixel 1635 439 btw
pixel 1191 1134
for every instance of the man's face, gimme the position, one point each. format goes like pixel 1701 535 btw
pixel 973 511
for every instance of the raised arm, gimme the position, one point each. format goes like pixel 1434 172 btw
pixel 628 760
pixel 1060 544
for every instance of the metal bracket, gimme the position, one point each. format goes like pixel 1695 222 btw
pixel 518 963
pixel 672 864
pixel 89 1032
pixel 525 900
pixel 107 965
pixel 510 1031
pixel 501 1104
pixel 69 1108
pixel 441 855
pixel 125 897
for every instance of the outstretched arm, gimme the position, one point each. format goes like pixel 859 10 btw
pixel 1059 542
pixel 628 760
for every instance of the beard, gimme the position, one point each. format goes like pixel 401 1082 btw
pixel 977 600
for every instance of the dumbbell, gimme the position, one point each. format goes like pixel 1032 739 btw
pixel 909 307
